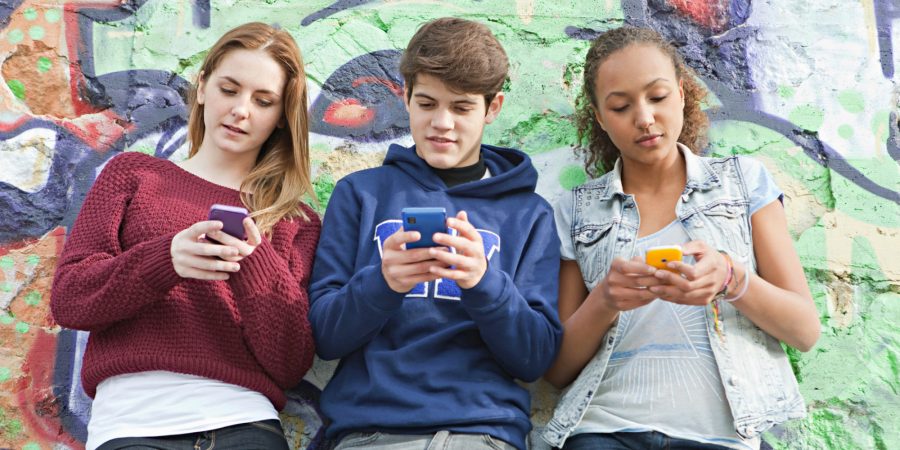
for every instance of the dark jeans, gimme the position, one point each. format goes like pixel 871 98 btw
pixel 262 435
pixel 648 440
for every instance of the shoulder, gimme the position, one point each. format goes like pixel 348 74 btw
pixel 135 165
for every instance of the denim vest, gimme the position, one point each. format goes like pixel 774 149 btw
pixel 714 207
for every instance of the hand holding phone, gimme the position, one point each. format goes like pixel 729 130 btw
pixel 232 218
pixel 660 256
pixel 427 221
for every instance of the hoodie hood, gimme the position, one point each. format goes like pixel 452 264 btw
pixel 510 169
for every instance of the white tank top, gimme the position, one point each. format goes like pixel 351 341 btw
pixel 162 403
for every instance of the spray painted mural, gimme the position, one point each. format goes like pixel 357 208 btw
pixel 809 88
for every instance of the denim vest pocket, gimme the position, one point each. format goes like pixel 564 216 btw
pixel 593 257
pixel 729 224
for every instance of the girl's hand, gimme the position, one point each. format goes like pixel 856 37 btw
pixel 694 284
pixel 244 248
pixel 628 284
pixel 194 257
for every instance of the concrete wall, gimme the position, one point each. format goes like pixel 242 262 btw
pixel 809 88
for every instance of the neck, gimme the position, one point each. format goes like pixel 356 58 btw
pixel 654 178
pixel 216 166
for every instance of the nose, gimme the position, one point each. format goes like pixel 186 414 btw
pixel 241 109
pixel 643 118
pixel 442 119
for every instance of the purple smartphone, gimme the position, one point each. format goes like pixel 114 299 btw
pixel 232 217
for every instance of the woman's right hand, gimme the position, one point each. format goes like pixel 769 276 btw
pixel 625 285
pixel 194 257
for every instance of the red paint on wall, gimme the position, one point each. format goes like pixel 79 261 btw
pixel 348 113
pixel 39 407
pixel 712 14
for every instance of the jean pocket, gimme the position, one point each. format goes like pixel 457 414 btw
pixel 496 444
pixel 268 425
pixel 356 440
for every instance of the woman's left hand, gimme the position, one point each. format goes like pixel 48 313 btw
pixel 694 284
pixel 245 248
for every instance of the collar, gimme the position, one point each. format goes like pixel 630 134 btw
pixel 700 175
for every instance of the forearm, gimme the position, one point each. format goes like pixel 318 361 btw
pixel 347 316
pixel 93 290
pixel 522 334
pixel 583 334
pixel 786 315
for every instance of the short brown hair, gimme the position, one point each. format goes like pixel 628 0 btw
pixel 465 55
pixel 601 153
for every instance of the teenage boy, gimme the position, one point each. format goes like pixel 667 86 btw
pixel 432 340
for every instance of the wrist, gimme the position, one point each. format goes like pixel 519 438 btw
pixel 729 276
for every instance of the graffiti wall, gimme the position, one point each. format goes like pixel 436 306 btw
pixel 809 88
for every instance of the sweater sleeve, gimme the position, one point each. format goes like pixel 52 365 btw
pixel 97 282
pixel 517 315
pixel 349 306
pixel 270 292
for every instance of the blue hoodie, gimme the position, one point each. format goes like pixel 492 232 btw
pixel 439 357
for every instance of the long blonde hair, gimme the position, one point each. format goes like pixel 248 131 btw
pixel 281 175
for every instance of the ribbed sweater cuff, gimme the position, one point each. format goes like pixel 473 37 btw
pixel 159 272
pixel 257 271
pixel 369 283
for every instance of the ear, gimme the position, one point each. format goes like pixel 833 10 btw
pixel 201 84
pixel 493 109
pixel 681 92
pixel 406 97
pixel 597 117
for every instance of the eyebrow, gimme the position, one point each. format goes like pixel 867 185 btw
pixel 456 102
pixel 264 91
pixel 622 94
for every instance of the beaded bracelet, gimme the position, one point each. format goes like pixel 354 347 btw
pixel 730 275
pixel 746 281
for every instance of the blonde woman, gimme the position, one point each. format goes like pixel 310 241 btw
pixel 195 333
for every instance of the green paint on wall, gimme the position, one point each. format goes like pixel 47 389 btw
pixel 786 92
pixel 14 427
pixel 32 260
pixel 33 298
pixel 22 327
pixel 145 149
pixel 6 263
pixel 6 286
pixel 30 13
pixel 15 36
pixel 845 131
pixel 44 64
pixel 36 32
pixel 52 15
pixel 862 205
pixel 540 133
pixel 809 117
pixel 31 446
pixel 880 125
pixel 852 100
pixel 17 88
pixel 6 318
pixel 572 176
pixel 5 373
pixel 323 185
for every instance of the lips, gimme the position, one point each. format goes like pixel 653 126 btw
pixel 234 129
pixel 647 138
pixel 440 140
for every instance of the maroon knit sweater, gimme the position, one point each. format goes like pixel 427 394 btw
pixel 115 279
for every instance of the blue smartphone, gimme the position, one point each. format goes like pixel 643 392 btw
pixel 232 217
pixel 426 221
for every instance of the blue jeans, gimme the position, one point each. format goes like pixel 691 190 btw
pixel 261 435
pixel 443 440
pixel 647 440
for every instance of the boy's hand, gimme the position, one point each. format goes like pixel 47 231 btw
pixel 468 264
pixel 404 269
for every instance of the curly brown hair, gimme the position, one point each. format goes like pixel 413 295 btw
pixel 599 152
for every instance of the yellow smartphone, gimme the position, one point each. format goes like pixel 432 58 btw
pixel 660 256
